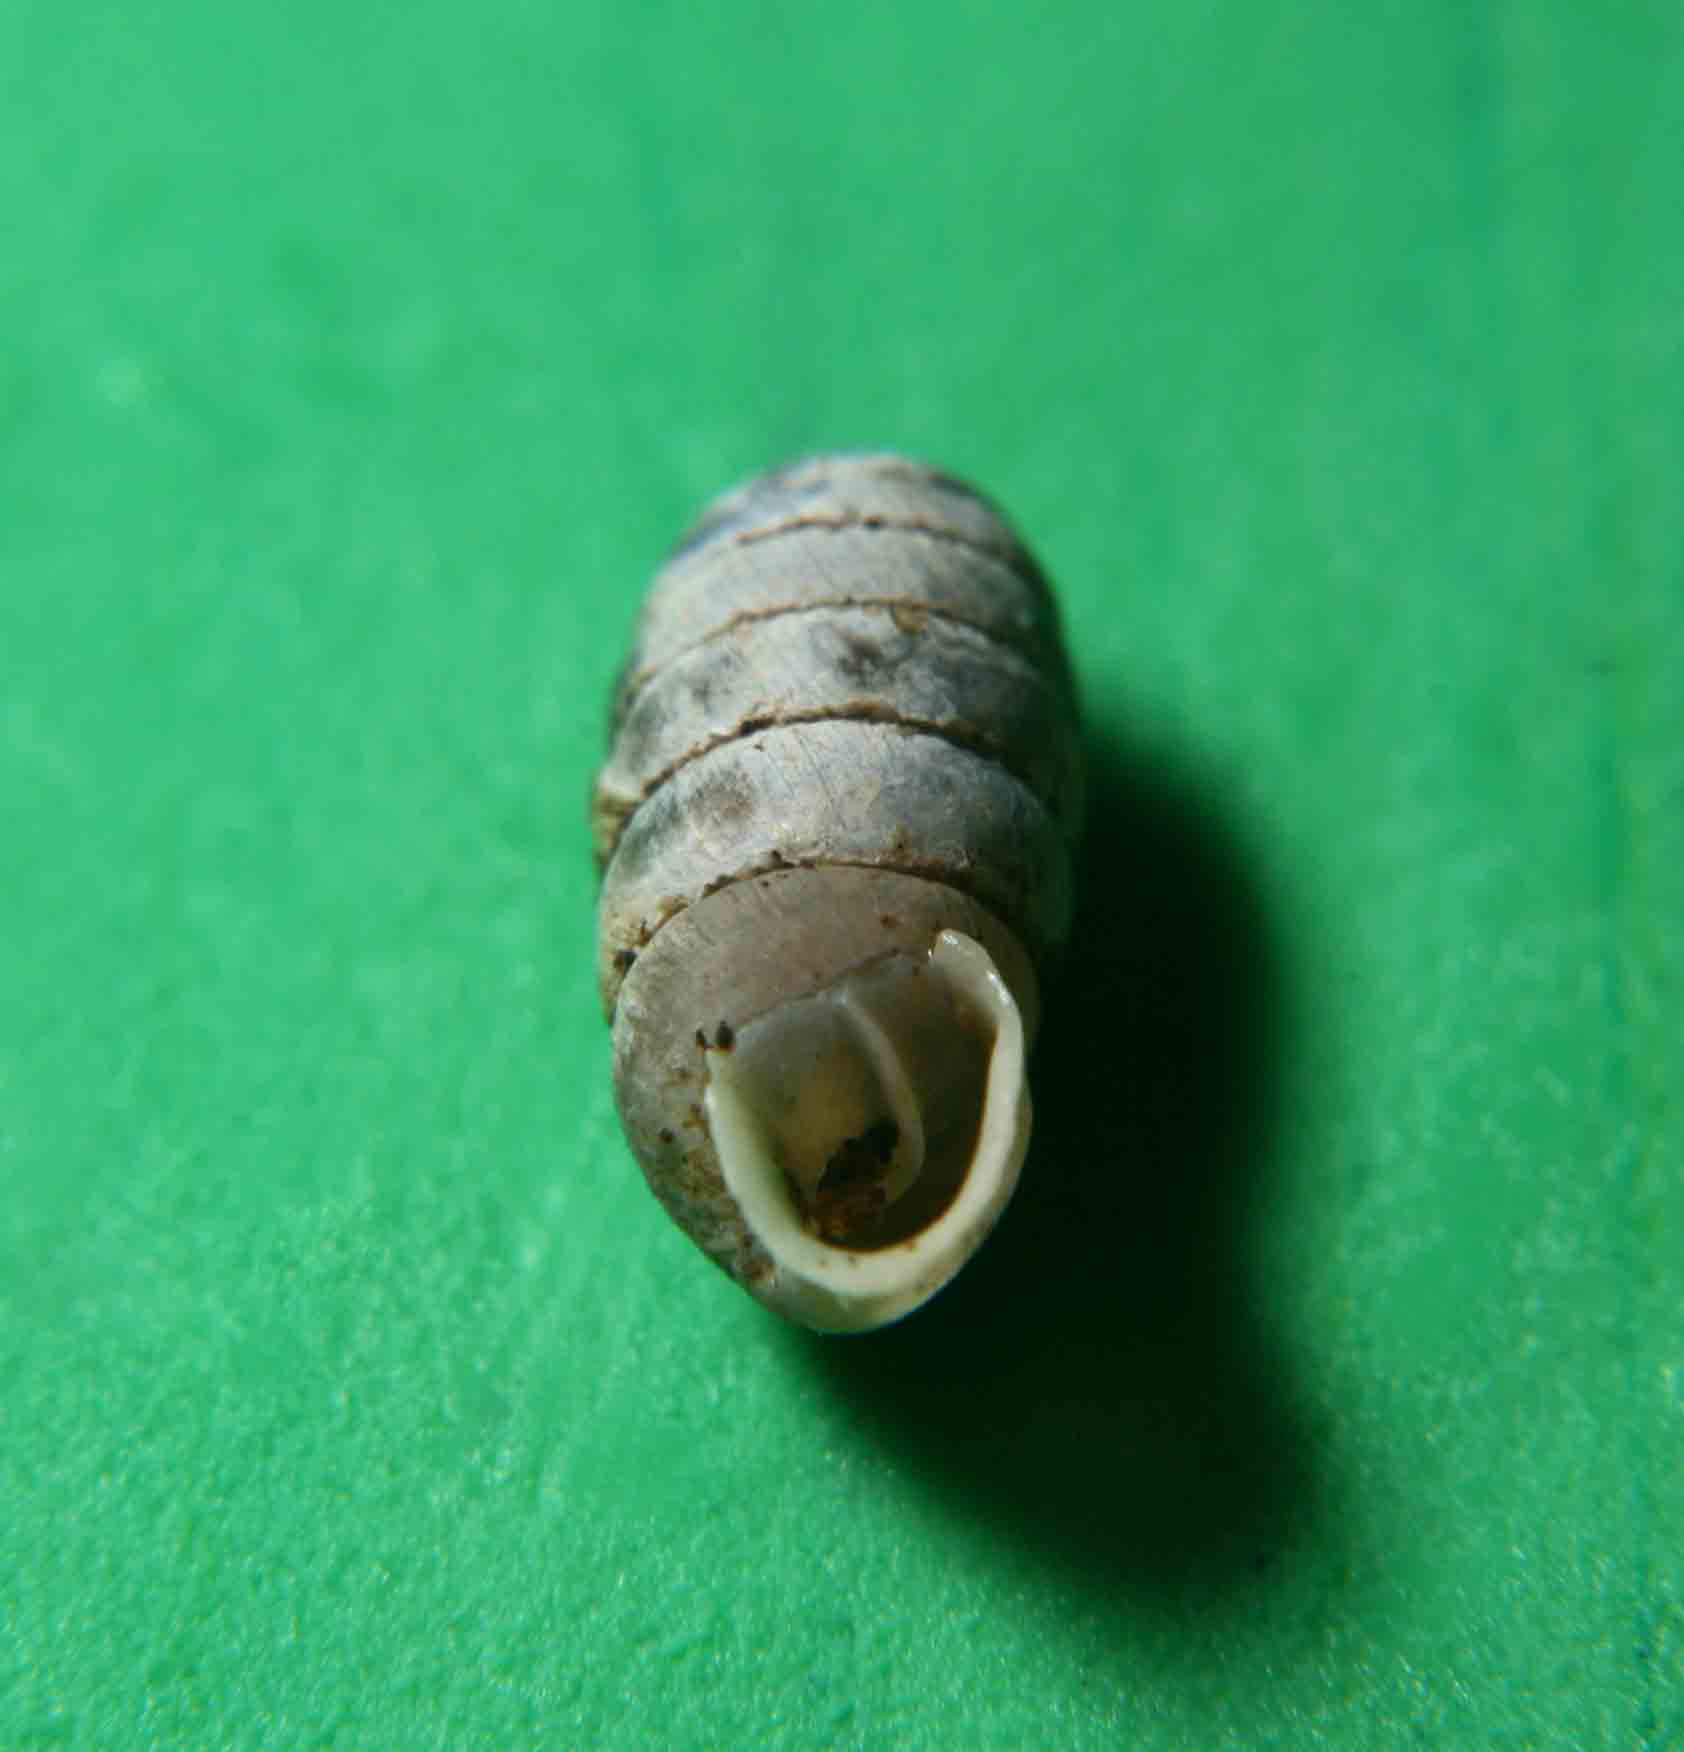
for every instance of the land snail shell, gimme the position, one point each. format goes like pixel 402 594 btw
pixel 836 827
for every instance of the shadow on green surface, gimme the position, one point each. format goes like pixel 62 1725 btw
pixel 1103 1374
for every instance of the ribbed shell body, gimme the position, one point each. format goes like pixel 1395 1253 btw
pixel 849 671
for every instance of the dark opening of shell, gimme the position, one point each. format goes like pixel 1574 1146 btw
pixel 850 1192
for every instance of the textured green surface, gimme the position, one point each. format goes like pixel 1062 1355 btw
pixel 1326 1386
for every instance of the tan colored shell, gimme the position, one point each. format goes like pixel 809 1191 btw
pixel 846 728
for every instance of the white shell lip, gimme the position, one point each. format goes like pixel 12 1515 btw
pixel 837 1288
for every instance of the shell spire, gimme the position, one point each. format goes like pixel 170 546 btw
pixel 836 827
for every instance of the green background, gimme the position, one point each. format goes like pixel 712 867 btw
pixel 1326 1384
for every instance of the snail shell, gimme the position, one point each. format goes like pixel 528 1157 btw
pixel 836 826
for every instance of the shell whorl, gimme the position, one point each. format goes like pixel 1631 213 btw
pixel 847 724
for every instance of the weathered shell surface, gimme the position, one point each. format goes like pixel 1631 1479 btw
pixel 847 725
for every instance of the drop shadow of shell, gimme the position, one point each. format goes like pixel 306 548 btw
pixel 1105 1375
